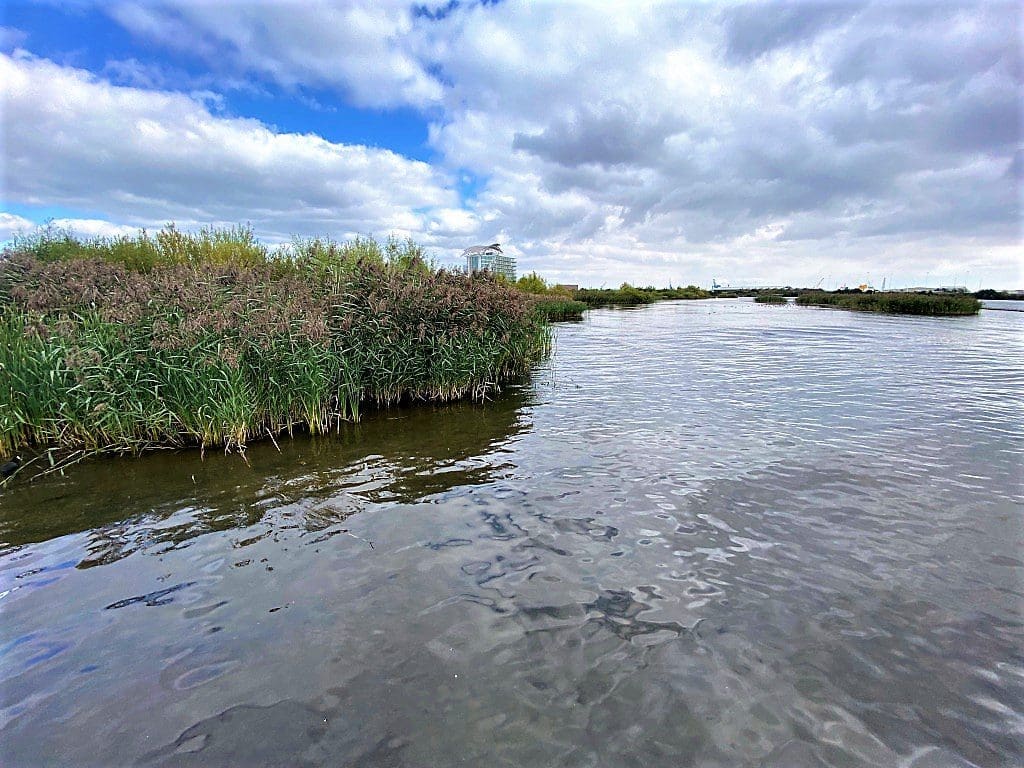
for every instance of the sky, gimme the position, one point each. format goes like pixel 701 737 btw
pixel 768 143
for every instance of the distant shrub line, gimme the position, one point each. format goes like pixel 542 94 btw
pixel 899 303
pixel 628 295
pixel 553 303
pixel 560 303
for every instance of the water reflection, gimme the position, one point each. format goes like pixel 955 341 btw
pixel 163 500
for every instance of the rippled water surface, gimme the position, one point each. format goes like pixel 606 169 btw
pixel 706 533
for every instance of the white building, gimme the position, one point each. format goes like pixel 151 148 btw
pixel 490 257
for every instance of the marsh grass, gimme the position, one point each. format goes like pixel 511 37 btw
pixel 628 295
pixel 769 298
pixel 550 302
pixel 557 308
pixel 898 303
pixel 210 339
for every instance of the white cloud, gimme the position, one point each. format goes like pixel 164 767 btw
pixel 626 143
pixel 11 224
pixel 453 222
pixel 147 157
pixel 363 48
pixel 786 141
pixel 95 227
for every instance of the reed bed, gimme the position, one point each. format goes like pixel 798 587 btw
pixel 558 308
pixel 897 303
pixel 769 298
pixel 550 302
pixel 628 295
pixel 132 343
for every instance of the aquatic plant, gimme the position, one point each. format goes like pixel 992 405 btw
pixel 628 295
pixel 899 303
pixel 769 298
pixel 128 343
pixel 554 308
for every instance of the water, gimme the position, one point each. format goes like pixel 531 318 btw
pixel 1003 304
pixel 706 533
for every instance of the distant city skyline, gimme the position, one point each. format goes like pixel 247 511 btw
pixel 780 143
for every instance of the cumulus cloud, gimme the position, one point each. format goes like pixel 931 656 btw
pixel 147 157
pixel 363 49
pixel 671 142
pixel 672 138
pixel 11 224
pixel 94 227
pixel 755 29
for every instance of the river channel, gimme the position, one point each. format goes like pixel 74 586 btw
pixel 707 533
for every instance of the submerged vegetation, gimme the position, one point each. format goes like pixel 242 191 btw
pixel 769 298
pixel 211 339
pixel 944 304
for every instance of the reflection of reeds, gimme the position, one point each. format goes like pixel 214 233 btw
pixel 99 351
pixel 901 303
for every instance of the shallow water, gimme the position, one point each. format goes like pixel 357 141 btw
pixel 706 533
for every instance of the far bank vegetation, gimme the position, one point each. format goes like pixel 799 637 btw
pixel 937 304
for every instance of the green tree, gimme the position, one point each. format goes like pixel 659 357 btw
pixel 532 283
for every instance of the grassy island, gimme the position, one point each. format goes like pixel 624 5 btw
pixel 212 339
pixel 628 295
pixel 937 304
pixel 770 298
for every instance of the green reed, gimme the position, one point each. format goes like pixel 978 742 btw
pixel 769 298
pixel 173 341
pixel 938 304
pixel 628 295
pixel 556 308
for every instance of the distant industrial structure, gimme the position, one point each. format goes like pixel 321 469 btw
pixel 862 287
pixel 490 257
pixel 940 289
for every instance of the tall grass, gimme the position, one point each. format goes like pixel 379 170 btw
pixel 769 298
pixel 555 308
pixel 210 339
pixel 628 295
pixel 144 251
pixel 899 303
pixel 550 302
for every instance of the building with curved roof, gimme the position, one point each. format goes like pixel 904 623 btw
pixel 491 258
